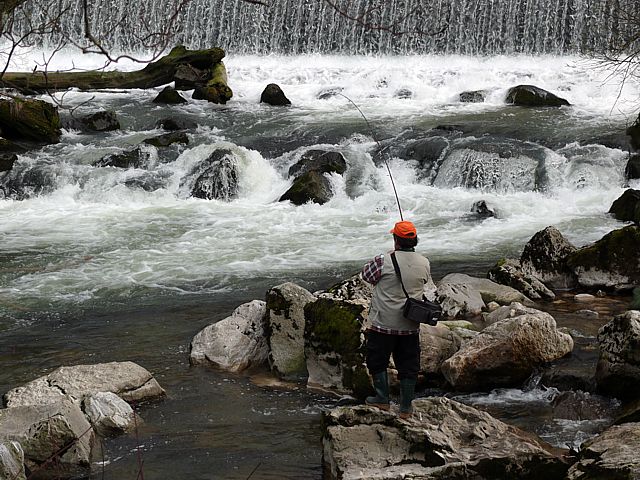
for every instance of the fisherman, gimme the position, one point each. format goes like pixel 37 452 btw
pixel 388 332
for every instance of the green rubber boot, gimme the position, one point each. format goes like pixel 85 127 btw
pixel 381 386
pixel 407 390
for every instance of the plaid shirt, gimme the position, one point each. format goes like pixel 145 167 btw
pixel 372 271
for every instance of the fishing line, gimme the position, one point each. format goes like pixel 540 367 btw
pixel 373 135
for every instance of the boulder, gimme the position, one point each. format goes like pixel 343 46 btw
pixel 460 292
pixel 273 95
pixel 508 311
pixel 532 96
pixel 285 329
pixel 443 439
pixel 334 345
pixel 426 151
pixel 611 455
pixel 310 187
pixel 139 157
pixel 320 161
pixel 216 177
pixel 509 272
pixel 103 121
pixel 482 210
pixel 611 262
pixel 6 161
pixel 403 93
pixel 11 461
pixel 545 257
pixel 629 413
pixel 109 414
pixel 328 93
pixel 56 438
pixel 353 288
pixel 236 342
pixel 570 373
pixel 634 133
pixel 579 405
pixel 618 370
pixel 128 380
pixel 188 77
pixel 437 344
pixel 173 124
pixel 169 96
pixel 627 207
pixel 29 119
pixel 167 139
pixel 474 96
pixel 632 170
pixel 507 352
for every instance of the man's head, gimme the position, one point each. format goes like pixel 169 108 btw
pixel 405 234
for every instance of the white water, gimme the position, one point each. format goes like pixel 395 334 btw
pixel 92 237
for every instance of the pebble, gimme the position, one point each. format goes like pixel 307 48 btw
pixel 584 297
pixel 590 314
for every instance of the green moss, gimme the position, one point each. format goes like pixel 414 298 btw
pixel 358 380
pixel 334 325
pixel 501 262
pixel 29 119
pixel 618 249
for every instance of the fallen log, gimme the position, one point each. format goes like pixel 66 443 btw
pixel 154 74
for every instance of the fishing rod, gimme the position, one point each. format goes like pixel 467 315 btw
pixel 373 135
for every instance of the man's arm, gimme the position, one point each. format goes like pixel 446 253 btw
pixel 372 271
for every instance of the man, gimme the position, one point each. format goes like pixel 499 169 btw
pixel 389 333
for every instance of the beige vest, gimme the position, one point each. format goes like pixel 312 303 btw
pixel 388 297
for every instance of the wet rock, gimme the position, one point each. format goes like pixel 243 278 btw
pixel 426 151
pixel 334 345
pixel 273 95
pixel 568 374
pixel 509 272
pixel 482 210
pixel 6 161
pixel 188 77
pixel 103 121
pixel 634 134
pixel 403 93
pixel 532 96
pixel 12 461
pixel 149 181
pixel 506 352
pixel 588 314
pixel 329 93
pixel 109 414
pixel 443 440
pixel 611 455
pixel 475 96
pixel 30 120
pixel 169 96
pixel 545 257
pixel 309 187
pixel 285 329
pixel 627 207
pixel 320 161
pixel 139 157
pixel 584 298
pixel 632 170
pixel 216 177
pixel 611 262
pixel 56 438
pixel 234 343
pixel 129 381
pixel 173 124
pixel 167 139
pixel 618 370
pixel 630 412
pixel 582 406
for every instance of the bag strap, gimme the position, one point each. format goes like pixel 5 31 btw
pixel 396 267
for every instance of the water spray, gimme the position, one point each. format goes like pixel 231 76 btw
pixel 373 135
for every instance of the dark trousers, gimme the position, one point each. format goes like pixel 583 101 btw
pixel 404 348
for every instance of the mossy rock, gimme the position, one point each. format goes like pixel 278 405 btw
pixel 216 89
pixel 627 207
pixel 313 187
pixel 632 171
pixel 532 96
pixel 31 120
pixel 613 261
pixel 167 139
pixel 273 95
pixel 333 336
pixel 319 160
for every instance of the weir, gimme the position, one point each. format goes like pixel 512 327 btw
pixel 468 27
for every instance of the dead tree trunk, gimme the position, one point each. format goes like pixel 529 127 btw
pixel 157 73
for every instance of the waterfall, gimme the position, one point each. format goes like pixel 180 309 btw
pixel 469 27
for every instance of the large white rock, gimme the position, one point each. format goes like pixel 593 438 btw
pixel 11 461
pixel 459 299
pixel 234 343
pixel 44 431
pixel 437 343
pixel 285 326
pixel 506 352
pixel 109 414
pixel 443 440
pixel 618 370
pixel 508 311
pixel 128 380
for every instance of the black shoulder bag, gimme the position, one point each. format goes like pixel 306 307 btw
pixel 419 311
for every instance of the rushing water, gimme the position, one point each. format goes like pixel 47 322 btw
pixel 355 27
pixel 94 267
